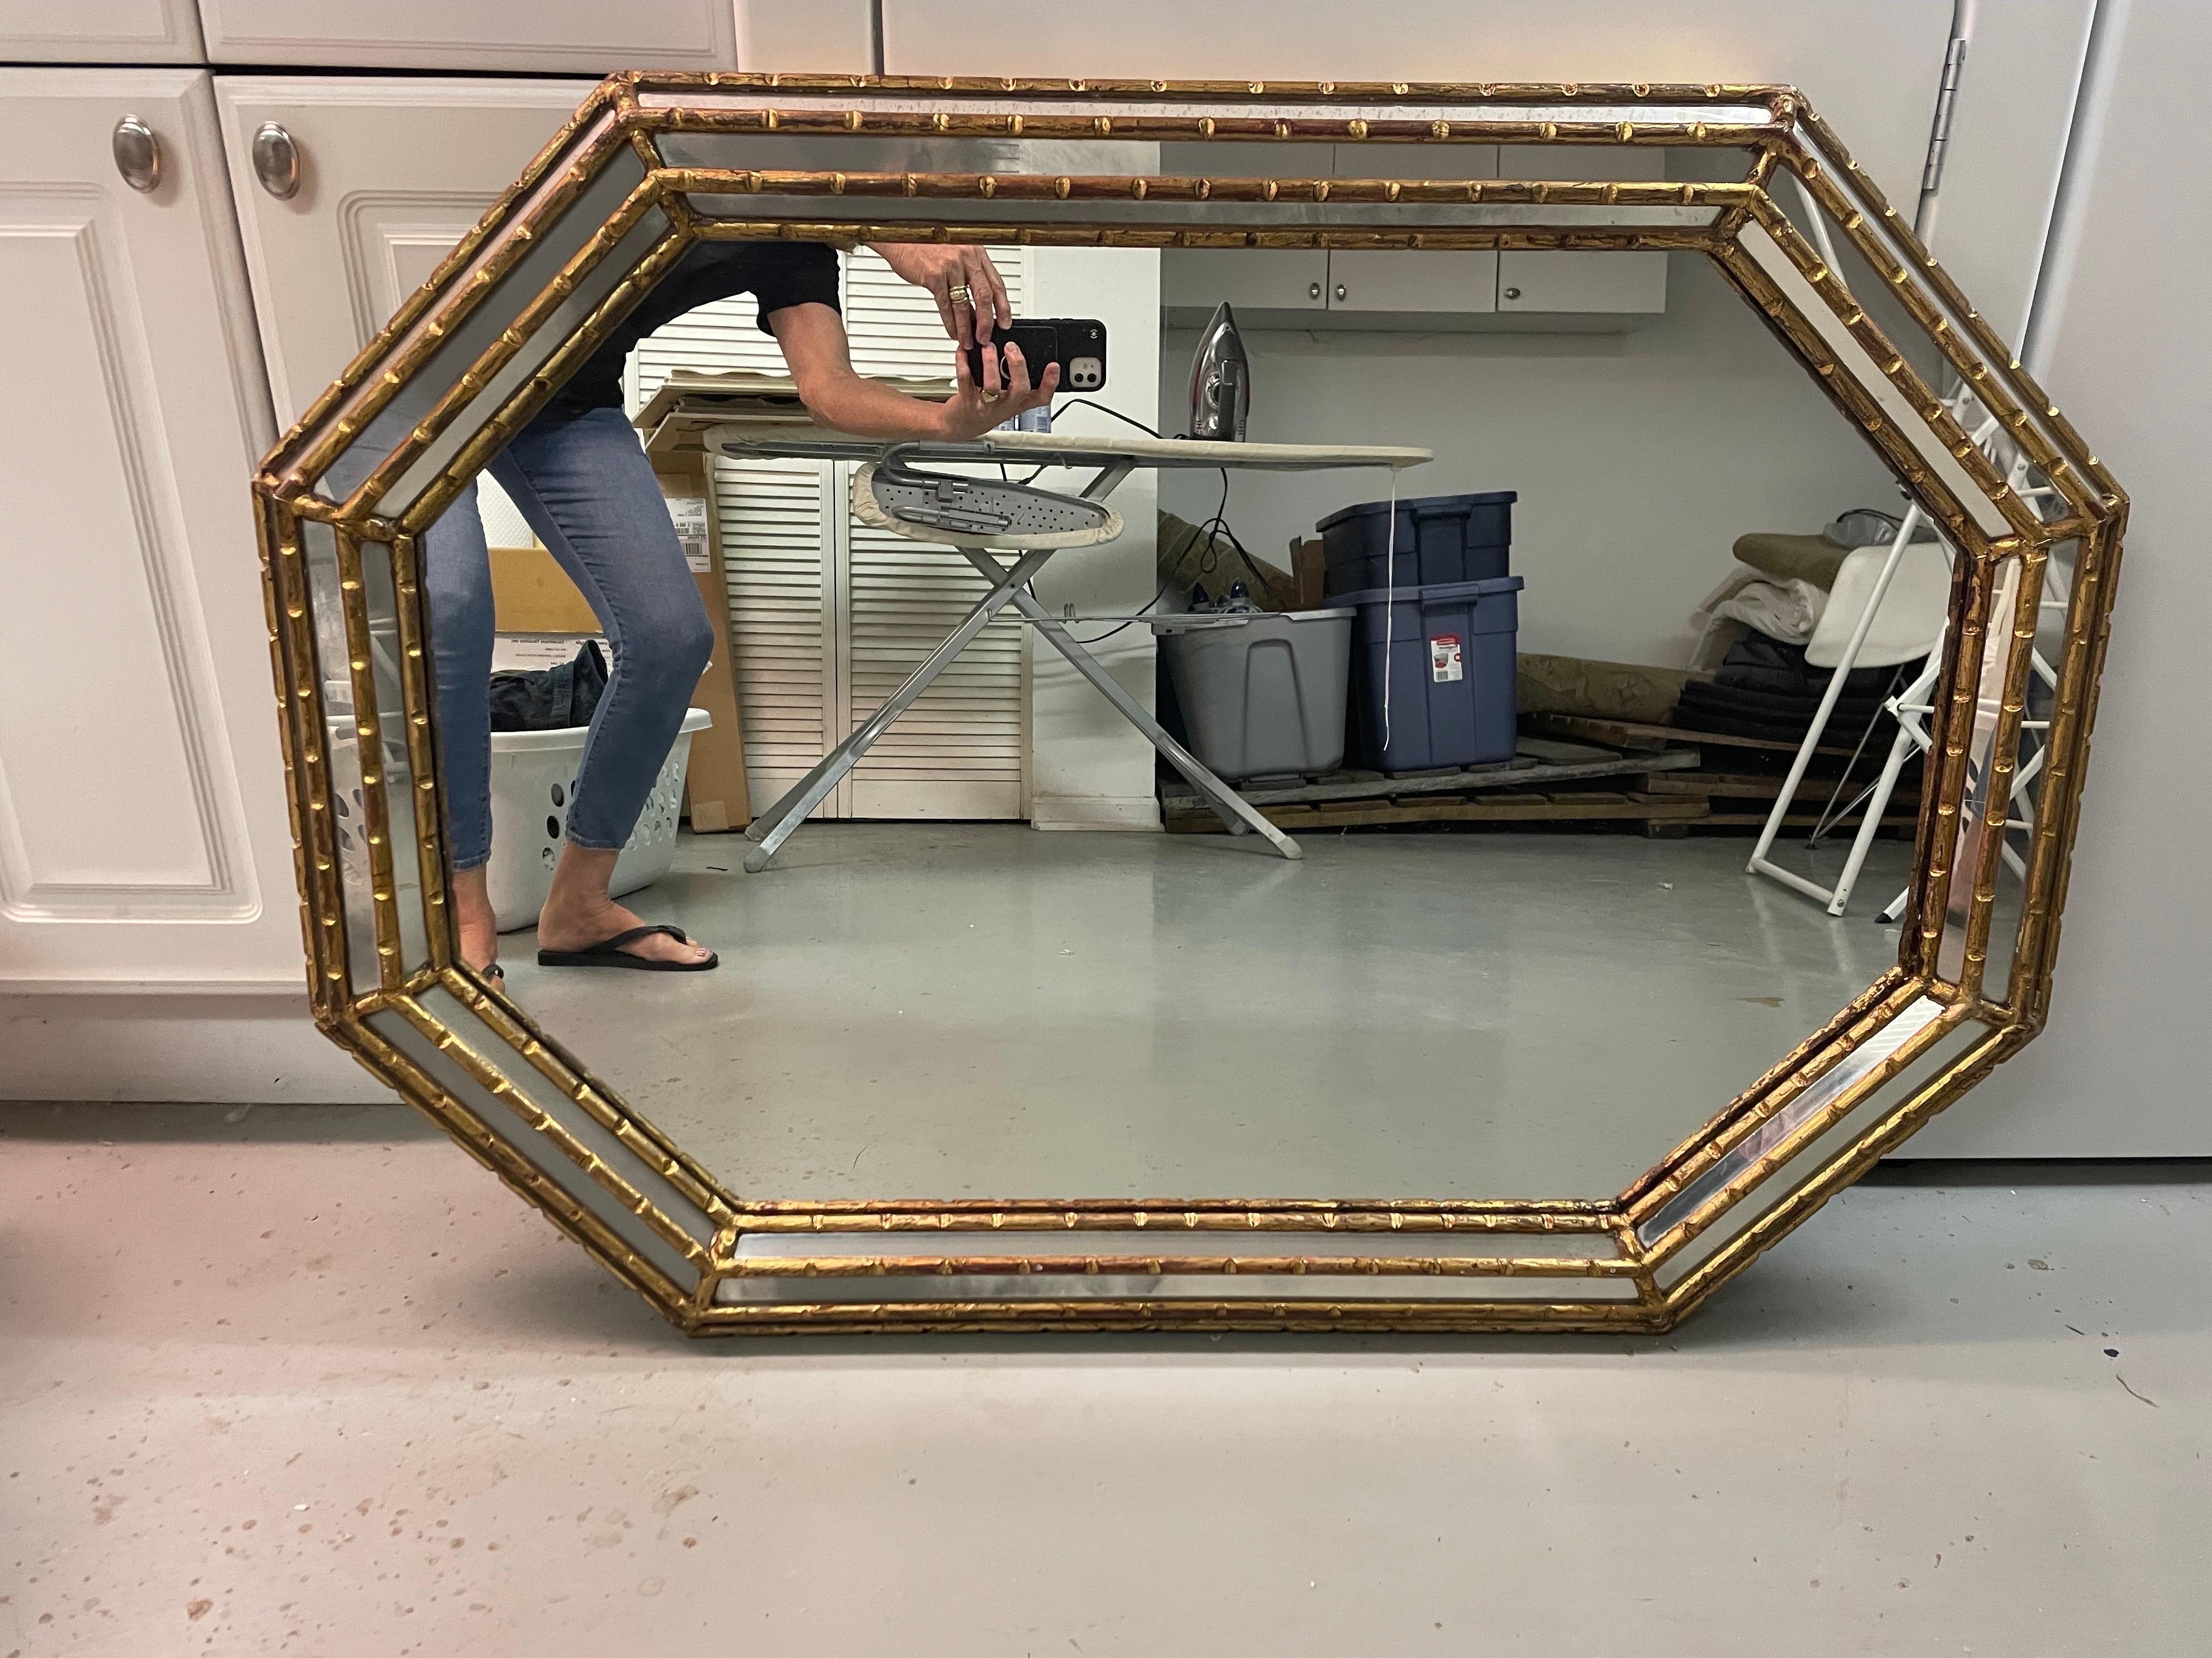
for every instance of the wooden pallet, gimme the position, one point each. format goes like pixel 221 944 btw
pixel 1635 735
pixel 1539 766
pixel 1497 807
pixel 1734 820
pixel 1718 785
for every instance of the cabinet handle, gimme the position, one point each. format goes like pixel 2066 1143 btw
pixel 277 162
pixel 1512 293
pixel 1339 290
pixel 137 154
pixel 1313 290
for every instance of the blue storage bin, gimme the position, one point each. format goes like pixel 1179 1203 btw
pixel 1440 538
pixel 1450 665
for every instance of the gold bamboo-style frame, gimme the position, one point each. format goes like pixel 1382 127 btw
pixel 652 163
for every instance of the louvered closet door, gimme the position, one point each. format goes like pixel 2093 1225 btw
pixel 782 623
pixel 960 750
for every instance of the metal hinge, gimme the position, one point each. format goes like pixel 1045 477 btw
pixel 1947 100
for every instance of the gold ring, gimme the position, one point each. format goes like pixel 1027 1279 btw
pixel 992 397
pixel 958 294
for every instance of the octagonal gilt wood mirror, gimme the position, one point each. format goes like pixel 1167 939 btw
pixel 1492 1062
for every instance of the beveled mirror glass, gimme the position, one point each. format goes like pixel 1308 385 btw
pixel 1509 1042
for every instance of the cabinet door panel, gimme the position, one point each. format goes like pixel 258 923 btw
pixel 392 172
pixel 1193 280
pixel 1442 282
pixel 1541 281
pixel 1439 282
pixel 586 37
pixel 99 31
pixel 1196 279
pixel 144 837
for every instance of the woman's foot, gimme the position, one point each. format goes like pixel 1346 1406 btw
pixel 473 916
pixel 579 913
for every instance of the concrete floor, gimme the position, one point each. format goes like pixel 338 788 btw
pixel 1129 1015
pixel 308 1382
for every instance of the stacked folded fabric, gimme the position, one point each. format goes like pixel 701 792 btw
pixel 1764 688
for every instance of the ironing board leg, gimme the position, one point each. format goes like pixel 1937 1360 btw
pixel 775 825
pixel 1234 810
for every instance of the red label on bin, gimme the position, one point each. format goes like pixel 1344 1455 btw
pixel 1444 661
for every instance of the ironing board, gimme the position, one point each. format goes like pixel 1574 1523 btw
pixel 1114 457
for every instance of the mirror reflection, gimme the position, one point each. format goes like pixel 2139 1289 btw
pixel 1440 794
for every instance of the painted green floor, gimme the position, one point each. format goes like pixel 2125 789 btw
pixel 957 1010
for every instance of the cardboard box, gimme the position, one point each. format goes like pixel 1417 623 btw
pixel 531 593
pixel 1309 575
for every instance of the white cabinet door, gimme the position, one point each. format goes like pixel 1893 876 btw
pixel 143 833
pixel 1542 281
pixel 1192 281
pixel 99 31
pixel 587 37
pixel 1439 283
pixel 392 172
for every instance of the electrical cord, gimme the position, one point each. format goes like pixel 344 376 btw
pixel 1215 529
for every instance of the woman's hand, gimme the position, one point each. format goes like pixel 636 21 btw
pixel 975 409
pixel 970 296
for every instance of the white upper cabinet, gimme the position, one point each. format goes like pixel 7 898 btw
pixel 144 840
pixel 1356 289
pixel 393 172
pixel 99 31
pixel 1546 282
pixel 1442 282
pixel 1250 279
pixel 587 37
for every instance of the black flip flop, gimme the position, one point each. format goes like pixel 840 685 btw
pixel 608 952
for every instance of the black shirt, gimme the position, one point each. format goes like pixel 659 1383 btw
pixel 777 273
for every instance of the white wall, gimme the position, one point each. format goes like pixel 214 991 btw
pixel 1870 66
pixel 1638 457
pixel 2118 1073
pixel 1089 767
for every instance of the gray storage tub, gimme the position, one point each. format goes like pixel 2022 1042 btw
pixel 1263 695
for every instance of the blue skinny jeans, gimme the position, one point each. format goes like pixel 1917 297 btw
pixel 586 489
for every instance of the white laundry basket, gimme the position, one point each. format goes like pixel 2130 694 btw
pixel 532 775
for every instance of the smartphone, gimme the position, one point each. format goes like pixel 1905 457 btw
pixel 1077 344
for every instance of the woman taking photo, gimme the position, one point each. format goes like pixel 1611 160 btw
pixel 580 478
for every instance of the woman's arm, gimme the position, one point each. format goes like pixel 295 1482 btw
pixel 813 341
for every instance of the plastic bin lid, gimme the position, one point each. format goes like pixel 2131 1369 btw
pixel 1490 498
pixel 1193 622
pixel 1436 592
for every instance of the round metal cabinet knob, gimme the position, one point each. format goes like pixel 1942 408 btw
pixel 138 153
pixel 1512 293
pixel 1313 290
pixel 277 162
pixel 1339 290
